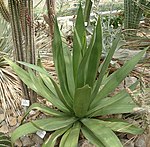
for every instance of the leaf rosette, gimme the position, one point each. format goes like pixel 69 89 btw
pixel 80 97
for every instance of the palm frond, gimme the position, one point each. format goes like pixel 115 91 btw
pixel 9 91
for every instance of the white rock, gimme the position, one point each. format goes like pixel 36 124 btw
pixel 12 121
pixel 130 80
pixel 141 141
pixel 37 139
pixel 26 141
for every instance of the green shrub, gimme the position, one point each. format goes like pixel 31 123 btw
pixel 80 99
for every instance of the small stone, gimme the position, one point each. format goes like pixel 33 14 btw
pixel 18 143
pixel 12 121
pixel 4 129
pixel 85 143
pixel 32 112
pixel 19 119
pixel 27 142
pixel 9 112
pixel 130 80
pixel 2 117
pixel 37 139
pixel 141 141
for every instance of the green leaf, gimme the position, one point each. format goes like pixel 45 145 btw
pixel 60 65
pixel 36 83
pixel 121 126
pixel 64 85
pixel 23 75
pixel 50 85
pixel 124 105
pixel 35 67
pixel 104 65
pixel 23 130
pixel 104 134
pixel 46 79
pixel 44 109
pixel 78 41
pixel 48 82
pixel 95 56
pixel 117 77
pixel 106 102
pixel 73 136
pixel 54 123
pixel 64 138
pixel 42 90
pixel 61 96
pixel 110 101
pixel 51 141
pixel 83 66
pixel 87 10
pixel 91 137
pixel 81 101
pixel 48 124
pixel 69 70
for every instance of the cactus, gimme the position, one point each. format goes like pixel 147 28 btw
pixel 132 13
pixel 50 18
pixel 28 26
pixel 21 12
pixel 4 12
pixel 17 35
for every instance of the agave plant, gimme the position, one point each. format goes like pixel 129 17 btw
pixel 81 99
